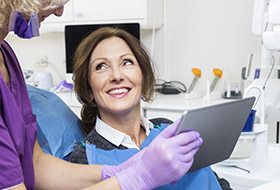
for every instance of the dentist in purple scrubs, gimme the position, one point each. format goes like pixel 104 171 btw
pixel 23 164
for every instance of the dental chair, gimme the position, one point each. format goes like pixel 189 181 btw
pixel 59 128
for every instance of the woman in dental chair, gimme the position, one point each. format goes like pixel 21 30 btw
pixel 112 73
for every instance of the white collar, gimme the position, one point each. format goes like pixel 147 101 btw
pixel 119 138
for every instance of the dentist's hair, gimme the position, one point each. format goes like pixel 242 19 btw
pixel 81 60
pixel 25 6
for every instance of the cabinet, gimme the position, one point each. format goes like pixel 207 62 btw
pixel 149 13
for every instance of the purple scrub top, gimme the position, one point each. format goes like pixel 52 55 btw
pixel 18 128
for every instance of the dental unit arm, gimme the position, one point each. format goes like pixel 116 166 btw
pixel 266 23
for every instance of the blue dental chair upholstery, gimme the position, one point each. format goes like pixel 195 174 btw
pixel 58 126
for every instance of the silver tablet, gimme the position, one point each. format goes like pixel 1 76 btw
pixel 219 126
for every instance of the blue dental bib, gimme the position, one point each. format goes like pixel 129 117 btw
pixel 200 179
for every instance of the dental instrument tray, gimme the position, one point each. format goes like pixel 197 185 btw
pixel 219 126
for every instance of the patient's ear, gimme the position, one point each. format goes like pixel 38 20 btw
pixel 91 96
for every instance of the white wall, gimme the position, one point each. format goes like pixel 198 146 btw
pixel 208 34
pixel 196 33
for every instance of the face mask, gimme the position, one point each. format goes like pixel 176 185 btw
pixel 21 28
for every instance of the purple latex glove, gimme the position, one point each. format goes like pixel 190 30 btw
pixel 164 161
pixel 22 29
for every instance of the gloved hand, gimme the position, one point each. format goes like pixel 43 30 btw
pixel 164 161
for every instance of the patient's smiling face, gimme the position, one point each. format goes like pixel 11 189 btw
pixel 115 77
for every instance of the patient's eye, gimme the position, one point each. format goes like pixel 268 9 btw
pixel 128 62
pixel 100 66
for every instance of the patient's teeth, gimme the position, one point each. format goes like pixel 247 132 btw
pixel 118 91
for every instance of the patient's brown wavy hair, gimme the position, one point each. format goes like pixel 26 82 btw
pixel 81 60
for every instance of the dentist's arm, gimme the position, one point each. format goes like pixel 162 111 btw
pixel 54 173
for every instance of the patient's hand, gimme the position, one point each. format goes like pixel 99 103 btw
pixel 164 161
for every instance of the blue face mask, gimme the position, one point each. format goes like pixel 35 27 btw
pixel 21 28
